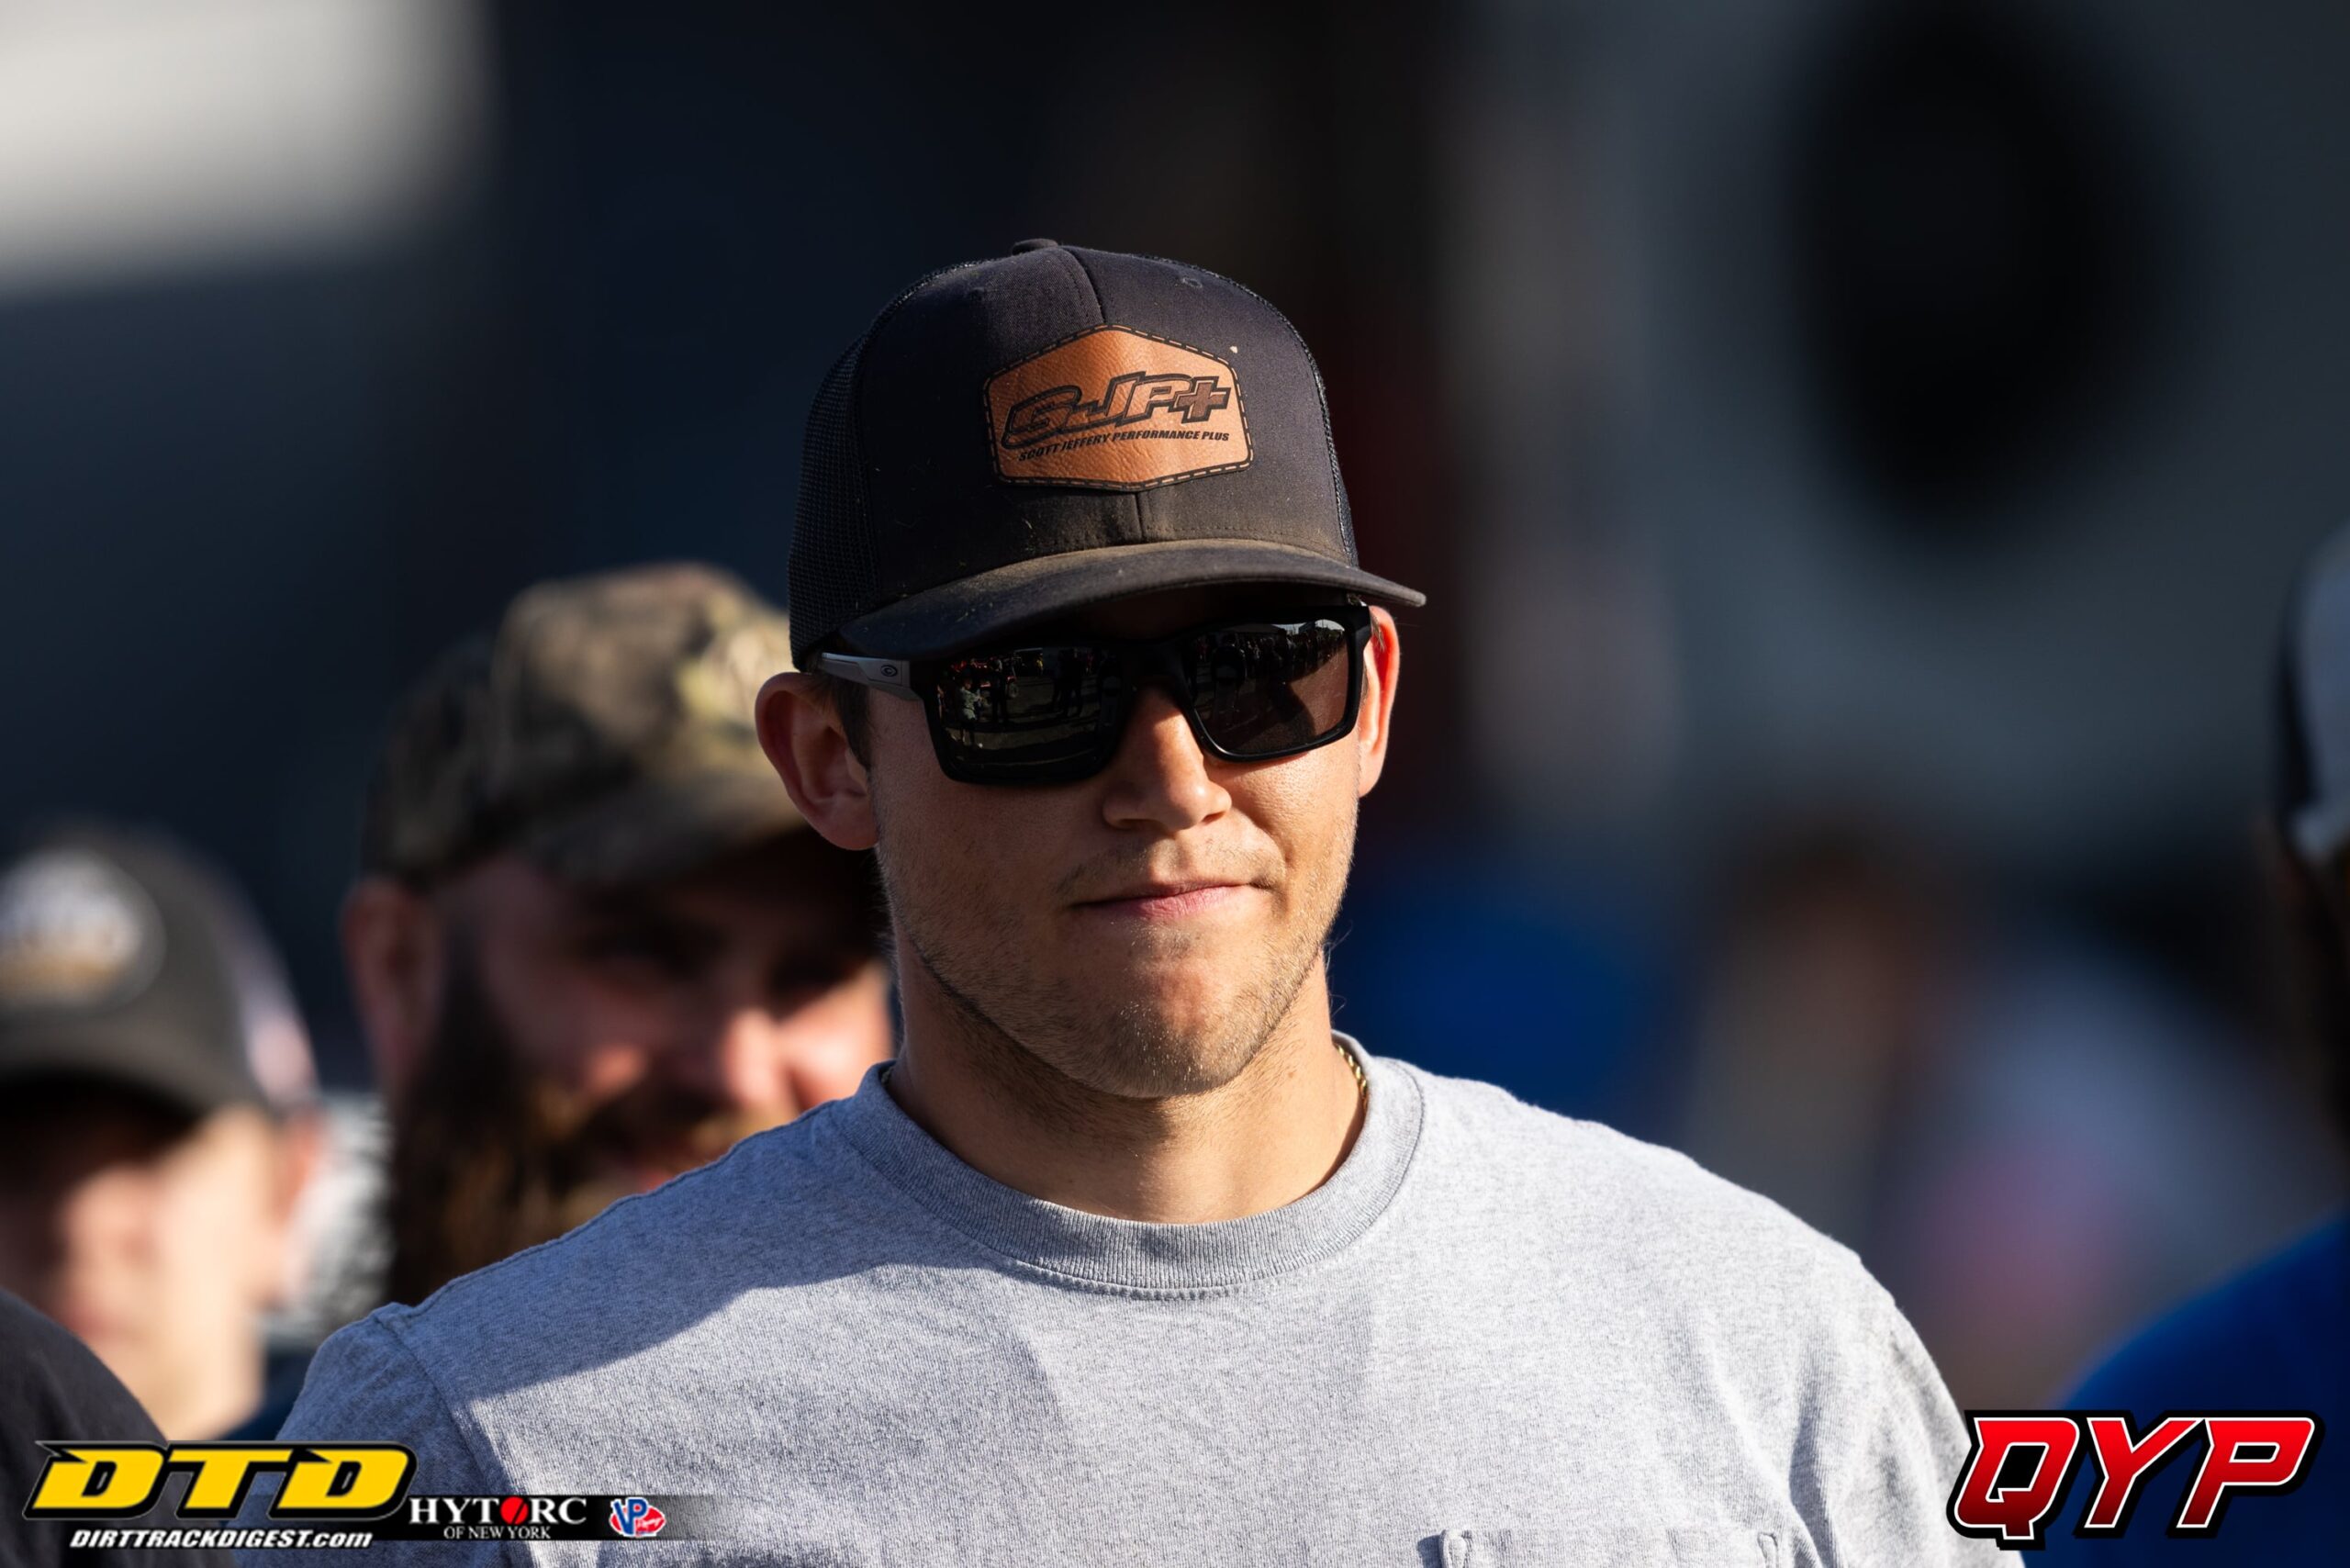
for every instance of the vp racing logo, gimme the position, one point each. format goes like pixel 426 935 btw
pixel 635 1518
pixel 1113 409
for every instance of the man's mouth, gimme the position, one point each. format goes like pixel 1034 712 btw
pixel 1181 900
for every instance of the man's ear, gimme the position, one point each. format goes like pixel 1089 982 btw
pixel 803 739
pixel 1382 660
pixel 395 952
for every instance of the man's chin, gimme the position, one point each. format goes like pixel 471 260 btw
pixel 1171 972
pixel 1167 1046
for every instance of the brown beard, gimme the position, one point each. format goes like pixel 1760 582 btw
pixel 486 1160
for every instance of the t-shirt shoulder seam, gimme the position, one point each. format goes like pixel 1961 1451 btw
pixel 493 1474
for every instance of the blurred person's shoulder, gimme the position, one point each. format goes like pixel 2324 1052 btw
pixel 52 1386
pixel 2268 1339
pixel 2268 1336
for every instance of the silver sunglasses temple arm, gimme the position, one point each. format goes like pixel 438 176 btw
pixel 882 674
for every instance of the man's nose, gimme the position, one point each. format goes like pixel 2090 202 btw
pixel 1159 777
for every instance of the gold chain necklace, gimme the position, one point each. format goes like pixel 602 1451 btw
pixel 1362 1084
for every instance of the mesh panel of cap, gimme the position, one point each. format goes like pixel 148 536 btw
pixel 833 570
pixel 832 548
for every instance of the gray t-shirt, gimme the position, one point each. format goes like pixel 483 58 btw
pixel 1495 1336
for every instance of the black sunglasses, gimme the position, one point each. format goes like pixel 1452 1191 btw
pixel 1053 711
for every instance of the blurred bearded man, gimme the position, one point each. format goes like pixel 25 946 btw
pixel 594 944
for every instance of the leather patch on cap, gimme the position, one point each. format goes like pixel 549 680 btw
pixel 1113 409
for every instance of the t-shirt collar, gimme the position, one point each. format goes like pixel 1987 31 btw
pixel 1094 1250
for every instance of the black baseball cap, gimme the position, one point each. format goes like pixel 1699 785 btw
pixel 127 960
pixel 1017 438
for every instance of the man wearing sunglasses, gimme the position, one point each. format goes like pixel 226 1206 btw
pixel 1129 1257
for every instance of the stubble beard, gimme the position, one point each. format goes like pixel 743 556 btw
pixel 1050 1038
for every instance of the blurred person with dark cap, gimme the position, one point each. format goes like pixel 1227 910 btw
pixel 1129 1256
pixel 157 1120
pixel 593 943
pixel 2275 1336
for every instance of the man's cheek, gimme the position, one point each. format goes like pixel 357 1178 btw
pixel 201 1258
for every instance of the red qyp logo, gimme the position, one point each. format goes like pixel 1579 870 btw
pixel 2024 1463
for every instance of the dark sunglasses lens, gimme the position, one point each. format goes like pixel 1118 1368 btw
pixel 1027 711
pixel 1269 688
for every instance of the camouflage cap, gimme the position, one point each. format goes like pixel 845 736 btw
pixel 605 732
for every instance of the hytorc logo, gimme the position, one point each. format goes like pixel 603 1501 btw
pixel 2024 1463
pixel 322 1480
pixel 510 1510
